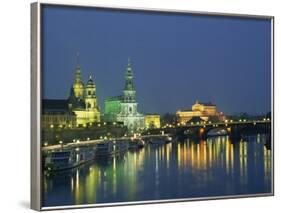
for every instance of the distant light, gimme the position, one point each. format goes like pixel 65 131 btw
pixel 60 142
pixel 45 144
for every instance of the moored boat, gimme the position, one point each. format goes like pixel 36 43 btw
pixel 60 160
pixel 217 132
pixel 136 144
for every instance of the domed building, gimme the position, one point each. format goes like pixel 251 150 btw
pixel 83 101
pixel 123 108
pixel 200 111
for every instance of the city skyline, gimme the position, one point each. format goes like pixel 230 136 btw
pixel 176 74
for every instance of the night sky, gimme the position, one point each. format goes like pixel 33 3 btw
pixel 176 59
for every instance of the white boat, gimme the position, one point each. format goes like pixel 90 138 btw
pixel 60 160
pixel 136 144
pixel 217 132
pixel 108 148
pixel 67 158
pixel 168 139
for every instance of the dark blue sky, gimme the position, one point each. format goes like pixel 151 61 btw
pixel 176 58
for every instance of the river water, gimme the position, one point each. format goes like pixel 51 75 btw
pixel 188 169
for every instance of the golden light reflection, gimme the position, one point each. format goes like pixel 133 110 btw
pixel 191 157
pixel 168 153
pixel 179 155
pixel 232 158
pixel 267 164
pixel 227 150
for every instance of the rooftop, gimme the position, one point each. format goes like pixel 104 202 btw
pixel 115 98
pixel 205 103
pixel 54 105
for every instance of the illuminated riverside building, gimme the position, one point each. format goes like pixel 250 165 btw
pixel 56 114
pixel 83 101
pixel 80 109
pixel 152 121
pixel 124 108
pixel 204 111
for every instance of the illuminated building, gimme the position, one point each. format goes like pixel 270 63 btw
pixel 152 121
pixel 56 114
pixel 204 111
pixel 83 101
pixel 112 108
pixel 124 108
pixel 81 106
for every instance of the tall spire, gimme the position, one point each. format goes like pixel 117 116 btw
pixel 77 59
pixel 129 90
pixel 129 61
pixel 78 85
pixel 129 77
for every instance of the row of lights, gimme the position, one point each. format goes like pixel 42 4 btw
pixel 84 125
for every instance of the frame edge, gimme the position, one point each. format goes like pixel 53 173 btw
pixel 35 193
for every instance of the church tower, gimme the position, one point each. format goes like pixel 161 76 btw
pixel 129 114
pixel 129 90
pixel 78 85
pixel 90 95
pixel 92 109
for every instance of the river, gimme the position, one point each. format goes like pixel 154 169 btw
pixel 188 169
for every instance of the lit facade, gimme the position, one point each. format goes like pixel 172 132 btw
pixel 204 111
pixel 152 121
pixel 124 108
pixel 55 114
pixel 58 119
pixel 80 109
pixel 83 101
pixel 112 108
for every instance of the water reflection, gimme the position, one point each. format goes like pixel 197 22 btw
pixel 214 167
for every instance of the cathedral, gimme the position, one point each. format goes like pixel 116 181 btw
pixel 83 101
pixel 124 108
pixel 79 110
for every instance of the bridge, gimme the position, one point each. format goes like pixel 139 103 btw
pixel 89 143
pixel 235 129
